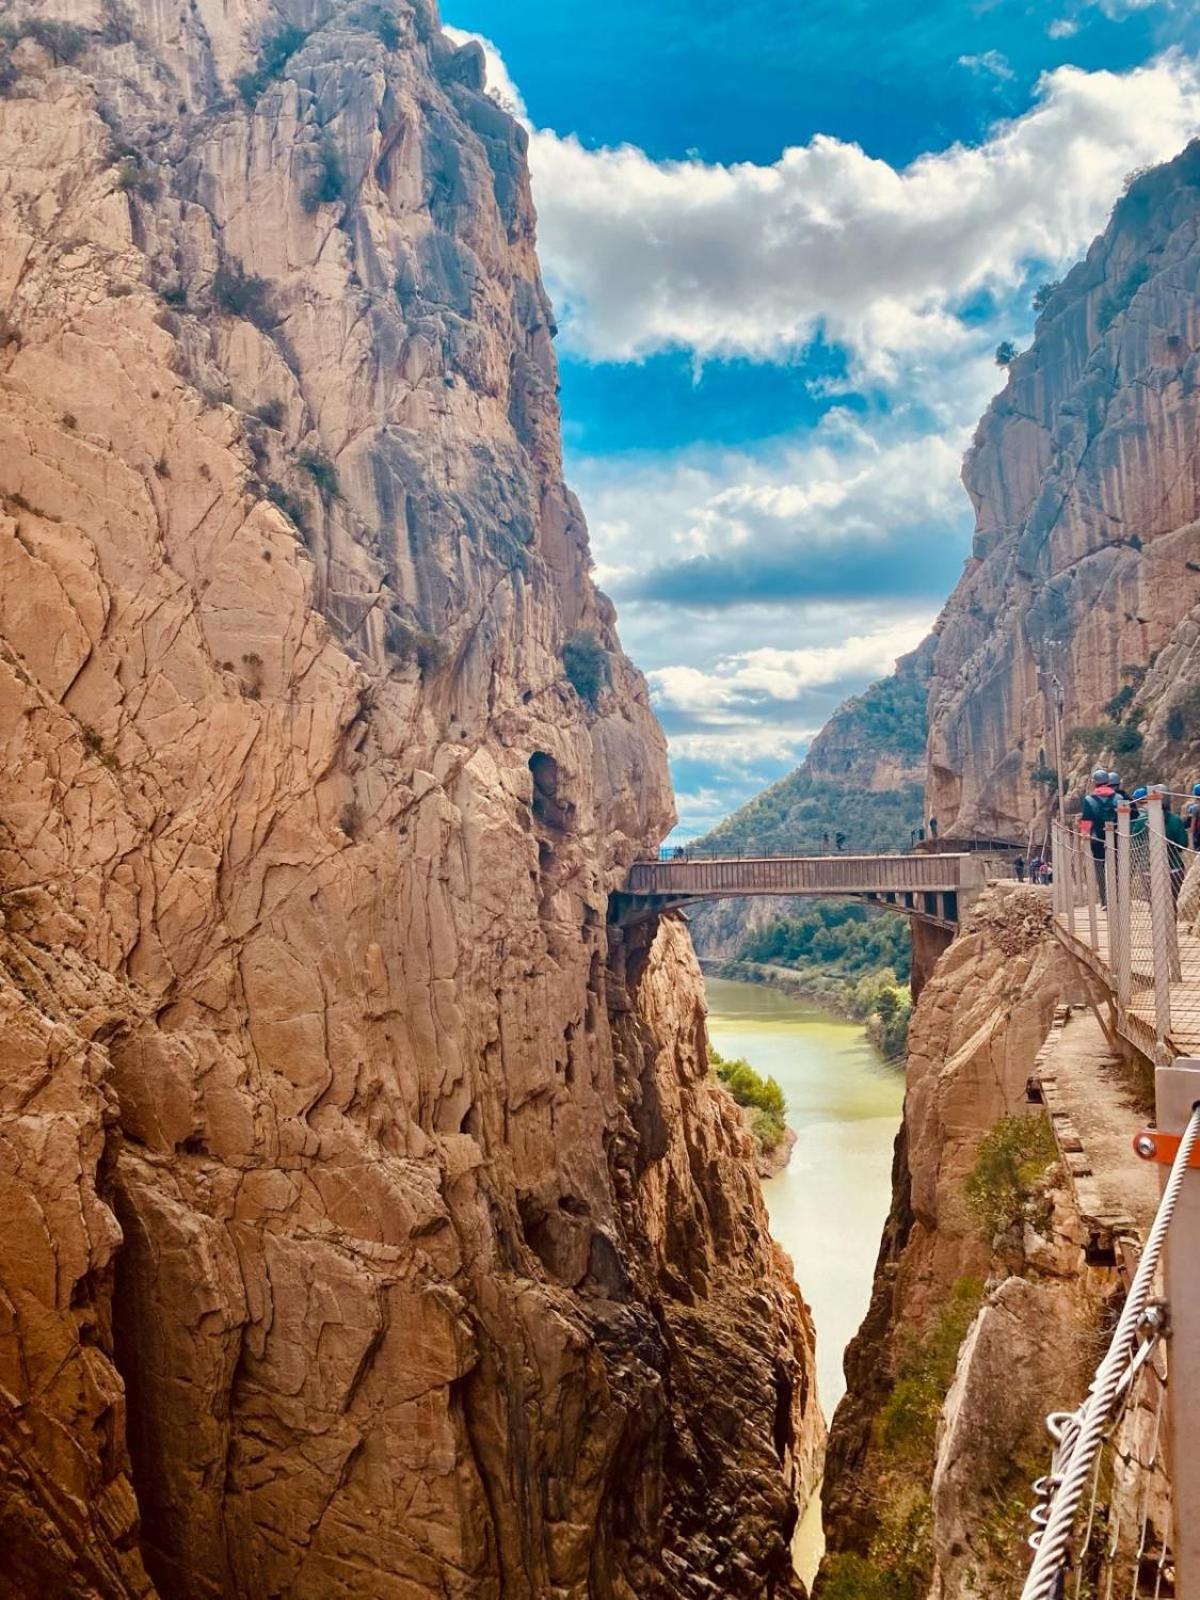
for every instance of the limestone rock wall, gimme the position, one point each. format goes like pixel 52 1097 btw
pixel 1086 559
pixel 980 1021
pixel 380 1232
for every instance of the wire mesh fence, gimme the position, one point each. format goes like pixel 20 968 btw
pixel 1130 893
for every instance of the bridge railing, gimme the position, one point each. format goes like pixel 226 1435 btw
pixel 1117 894
pixel 846 874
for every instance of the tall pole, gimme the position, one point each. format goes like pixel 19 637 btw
pixel 1177 1090
pixel 1056 684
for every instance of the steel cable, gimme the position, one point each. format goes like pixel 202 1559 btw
pixel 1054 1542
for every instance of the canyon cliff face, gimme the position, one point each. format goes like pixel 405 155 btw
pixel 1085 474
pixel 374 1227
pixel 970 1340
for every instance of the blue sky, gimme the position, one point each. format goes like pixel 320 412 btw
pixel 783 241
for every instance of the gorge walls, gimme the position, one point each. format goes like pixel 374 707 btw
pixel 1085 475
pixel 376 1228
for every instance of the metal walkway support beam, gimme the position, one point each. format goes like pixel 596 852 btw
pixel 1176 1093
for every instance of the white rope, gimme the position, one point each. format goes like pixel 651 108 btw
pixel 1093 1415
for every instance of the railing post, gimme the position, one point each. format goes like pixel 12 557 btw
pixel 1162 916
pixel 1176 1091
pixel 1124 912
pixel 1068 862
pixel 1110 892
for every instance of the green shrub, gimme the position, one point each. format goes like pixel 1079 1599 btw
pixel 1006 353
pixel 271 412
pixel 1040 773
pixel 63 41
pixel 291 505
pixel 1044 293
pixel 273 56
pixel 174 295
pixel 762 1096
pixel 585 662
pixel 414 644
pixel 132 176
pixel 322 472
pixel 241 294
pixel 1006 1186
pixel 906 1427
pixel 328 184
pixel 899 1561
pixel 1116 708
pixel 1183 719
pixel 888 1026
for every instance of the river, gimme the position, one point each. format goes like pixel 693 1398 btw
pixel 829 1204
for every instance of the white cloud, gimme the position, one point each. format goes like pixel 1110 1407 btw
pixel 991 62
pixel 1063 28
pixel 643 255
pixel 843 485
pixel 751 677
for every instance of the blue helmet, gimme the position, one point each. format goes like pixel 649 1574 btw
pixel 1196 788
pixel 1114 778
pixel 1140 793
pixel 1100 776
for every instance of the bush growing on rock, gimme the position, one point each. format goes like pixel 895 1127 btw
pixel 585 662
pixel 322 472
pixel 762 1097
pixel 907 1425
pixel 1007 1185
pixel 328 184
pixel 414 644
pixel 62 41
pixel 241 294
pixel 274 53
pixel 1006 353
pixel 292 507
pixel 271 413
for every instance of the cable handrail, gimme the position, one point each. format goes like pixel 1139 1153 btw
pixel 1079 1435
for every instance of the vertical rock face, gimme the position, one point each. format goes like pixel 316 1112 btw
pixel 972 1043
pixel 378 1229
pixel 1085 475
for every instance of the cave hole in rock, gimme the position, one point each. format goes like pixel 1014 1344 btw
pixel 547 808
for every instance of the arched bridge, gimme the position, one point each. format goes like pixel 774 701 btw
pixel 936 887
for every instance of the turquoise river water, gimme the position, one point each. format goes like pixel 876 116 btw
pixel 829 1204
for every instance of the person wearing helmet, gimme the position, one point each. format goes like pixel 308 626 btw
pixel 1099 809
pixel 1177 841
pixel 1193 818
pixel 1137 802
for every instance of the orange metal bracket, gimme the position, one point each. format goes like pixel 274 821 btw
pixel 1151 1145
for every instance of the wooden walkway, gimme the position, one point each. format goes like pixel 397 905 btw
pixel 1136 1020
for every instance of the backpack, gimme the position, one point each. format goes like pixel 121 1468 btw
pixel 1100 809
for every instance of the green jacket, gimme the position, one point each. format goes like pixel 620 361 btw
pixel 1176 829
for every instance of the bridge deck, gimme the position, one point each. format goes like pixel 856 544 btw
pixel 708 878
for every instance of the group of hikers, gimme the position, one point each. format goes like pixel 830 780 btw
pixel 1100 808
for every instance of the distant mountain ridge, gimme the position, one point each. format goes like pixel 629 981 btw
pixel 863 776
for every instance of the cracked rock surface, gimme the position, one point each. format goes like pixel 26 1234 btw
pixel 373 1227
pixel 1086 558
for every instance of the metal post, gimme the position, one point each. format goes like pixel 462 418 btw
pixel 1176 1091
pixel 1110 892
pixel 1056 878
pixel 1068 863
pixel 1124 911
pixel 1162 915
